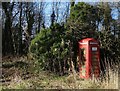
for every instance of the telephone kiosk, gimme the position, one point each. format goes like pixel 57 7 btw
pixel 89 58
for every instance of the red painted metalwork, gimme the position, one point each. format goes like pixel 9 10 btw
pixel 89 58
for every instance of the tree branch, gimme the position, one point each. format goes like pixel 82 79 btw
pixel 15 16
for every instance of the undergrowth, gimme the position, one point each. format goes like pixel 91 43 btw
pixel 47 80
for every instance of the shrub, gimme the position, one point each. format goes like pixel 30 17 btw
pixel 50 48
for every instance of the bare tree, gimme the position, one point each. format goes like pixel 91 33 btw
pixel 40 16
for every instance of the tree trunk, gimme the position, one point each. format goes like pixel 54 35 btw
pixel 8 36
pixel 20 30
pixel 8 42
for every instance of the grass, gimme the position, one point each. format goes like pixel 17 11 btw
pixel 111 80
pixel 26 78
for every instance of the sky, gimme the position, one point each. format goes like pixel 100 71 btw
pixel 48 12
pixel 114 14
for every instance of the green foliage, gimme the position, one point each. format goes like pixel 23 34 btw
pixel 82 20
pixel 41 39
pixel 110 44
pixel 50 45
pixel 83 12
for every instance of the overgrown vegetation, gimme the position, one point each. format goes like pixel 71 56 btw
pixel 28 79
pixel 56 48
pixel 52 51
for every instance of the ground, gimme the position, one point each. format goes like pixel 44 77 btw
pixel 20 73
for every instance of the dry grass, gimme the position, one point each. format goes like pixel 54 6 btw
pixel 46 80
pixel 51 81
pixel 111 80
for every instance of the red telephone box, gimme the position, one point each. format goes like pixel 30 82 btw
pixel 89 56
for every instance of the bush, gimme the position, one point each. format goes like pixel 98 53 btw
pixel 50 48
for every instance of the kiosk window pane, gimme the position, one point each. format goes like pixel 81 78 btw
pixel 83 56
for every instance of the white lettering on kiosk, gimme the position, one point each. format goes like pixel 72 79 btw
pixel 93 43
pixel 83 43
